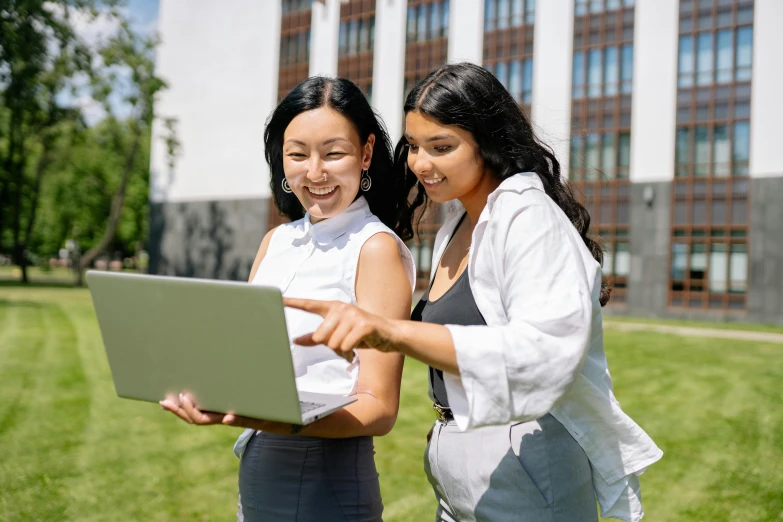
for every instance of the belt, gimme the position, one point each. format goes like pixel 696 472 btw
pixel 443 413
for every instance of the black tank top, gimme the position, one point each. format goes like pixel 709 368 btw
pixel 456 306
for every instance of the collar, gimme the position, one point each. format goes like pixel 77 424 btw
pixel 515 183
pixel 327 230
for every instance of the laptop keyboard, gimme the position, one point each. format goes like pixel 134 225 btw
pixel 309 406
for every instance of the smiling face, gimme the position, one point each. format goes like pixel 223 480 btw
pixel 324 142
pixel 445 159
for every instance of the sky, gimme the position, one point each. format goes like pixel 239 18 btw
pixel 144 16
pixel 144 13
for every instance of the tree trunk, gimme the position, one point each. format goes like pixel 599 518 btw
pixel 114 215
pixel 17 175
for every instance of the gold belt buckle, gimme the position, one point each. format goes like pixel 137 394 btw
pixel 440 412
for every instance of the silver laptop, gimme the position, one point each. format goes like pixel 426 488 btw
pixel 224 342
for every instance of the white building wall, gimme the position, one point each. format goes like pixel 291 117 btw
pixel 324 35
pixel 553 45
pixel 766 115
pixel 220 61
pixel 389 63
pixel 466 31
pixel 654 102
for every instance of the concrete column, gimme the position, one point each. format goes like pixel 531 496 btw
pixel 553 49
pixel 389 63
pixel 766 113
pixel 324 35
pixel 466 31
pixel 654 102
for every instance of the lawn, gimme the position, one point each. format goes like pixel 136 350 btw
pixel 70 450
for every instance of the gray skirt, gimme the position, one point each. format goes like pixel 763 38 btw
pixel 526 472
pixel 302 479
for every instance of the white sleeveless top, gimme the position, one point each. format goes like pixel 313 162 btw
pixel 319 262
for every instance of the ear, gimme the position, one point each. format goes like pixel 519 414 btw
pixel 367 152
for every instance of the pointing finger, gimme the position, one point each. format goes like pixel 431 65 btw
pixel 308 305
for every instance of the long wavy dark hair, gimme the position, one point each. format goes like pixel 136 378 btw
pixel 470 97
pixel 387 197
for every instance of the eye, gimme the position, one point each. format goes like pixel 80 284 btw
pixel 443 148
pixel 336 154
pixel 413 148
pixel 295 155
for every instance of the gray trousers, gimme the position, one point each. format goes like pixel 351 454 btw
pixel 308 479
pixel 527 472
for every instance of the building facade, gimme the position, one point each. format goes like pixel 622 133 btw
pixel 663 113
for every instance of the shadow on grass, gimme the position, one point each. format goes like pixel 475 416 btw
pixel 5 303
pixel 15 283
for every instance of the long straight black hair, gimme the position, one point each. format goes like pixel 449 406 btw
pixel 388 195
pixel 470 97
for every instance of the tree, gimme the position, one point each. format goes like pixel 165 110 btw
pixel 39 51
pixel 133 54
pixel 41 55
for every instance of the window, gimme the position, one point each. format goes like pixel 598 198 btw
pixel 357 42
pixel 627 69
pixel 725 57
pixel 508 45
pixel 685 62
pixel 578 74
pixel 707 55
pixel 741 153
pixel 744 53
pixel 411 33
pixel 611 71
pixel 608 155
pixel 594 73
pixel 600 145
pixel 709 235
pixel 502 14
pixel 294 50
pixel 527 81
pixel 421 24
pixel 515 80
pixel 624 155
pixel 704 59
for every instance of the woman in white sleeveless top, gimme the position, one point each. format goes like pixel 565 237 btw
pixel 331 174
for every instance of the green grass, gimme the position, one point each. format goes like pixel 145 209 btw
pixel 71 451
pixel 749 327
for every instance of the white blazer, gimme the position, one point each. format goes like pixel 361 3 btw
pixel 537 286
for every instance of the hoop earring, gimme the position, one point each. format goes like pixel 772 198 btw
pixel 286 186
pixel 366 181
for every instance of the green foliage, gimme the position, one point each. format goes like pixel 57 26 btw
pixel 79 192
pixel 60 178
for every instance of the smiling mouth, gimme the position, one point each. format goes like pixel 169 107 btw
pixel 321 192
pixel 432 181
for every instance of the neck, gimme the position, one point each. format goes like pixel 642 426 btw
pixel 475 200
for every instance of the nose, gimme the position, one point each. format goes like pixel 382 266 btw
pixel 422 163
pixel 315 169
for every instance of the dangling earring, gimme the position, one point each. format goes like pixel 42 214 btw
pixel 286 186
pixel 366 181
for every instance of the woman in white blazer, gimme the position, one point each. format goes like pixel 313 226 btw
pixel 528 428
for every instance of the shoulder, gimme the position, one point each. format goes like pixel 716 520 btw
pixel 381 249
pixel 381 245
pixel 261 254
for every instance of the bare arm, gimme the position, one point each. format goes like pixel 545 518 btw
pixel 261 254
pixel 382 289
pixel 346 327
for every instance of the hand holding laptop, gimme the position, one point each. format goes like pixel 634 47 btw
pixel 184 407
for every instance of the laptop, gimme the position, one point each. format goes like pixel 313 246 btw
pixel 224 342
